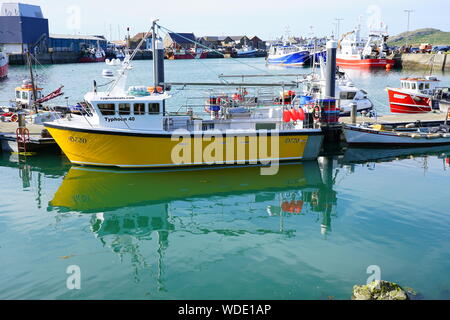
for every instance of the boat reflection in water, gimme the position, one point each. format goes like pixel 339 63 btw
pixel 128 207
pixel 365 155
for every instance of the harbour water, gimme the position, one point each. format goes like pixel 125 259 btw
pixel 310 232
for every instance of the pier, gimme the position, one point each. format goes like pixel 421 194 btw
pixel 37 142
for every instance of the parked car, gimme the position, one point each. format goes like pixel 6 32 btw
pixel 440 49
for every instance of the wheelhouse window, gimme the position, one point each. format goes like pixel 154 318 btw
pixel 107 109
pixel 420 86
pixel 18 94
pixel 139 108
pixel 413 86
pixel 24 95
pixel 153 108
pixel 427 86
pixel 347 95
pixel 124 109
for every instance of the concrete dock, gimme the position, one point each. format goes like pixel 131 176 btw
pixel 37 140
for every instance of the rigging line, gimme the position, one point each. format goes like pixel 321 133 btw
pixel 201 62
pixel 128 62
pixel 206 47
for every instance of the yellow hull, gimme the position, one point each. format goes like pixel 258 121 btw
pixel 138 150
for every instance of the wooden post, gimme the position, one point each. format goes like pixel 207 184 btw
pixel 353 112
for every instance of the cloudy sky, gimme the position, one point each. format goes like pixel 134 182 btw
pixel 267 19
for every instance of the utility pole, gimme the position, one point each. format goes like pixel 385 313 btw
pixel 338 26
pixel 408 12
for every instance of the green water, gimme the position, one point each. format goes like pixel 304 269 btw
pixel 310 232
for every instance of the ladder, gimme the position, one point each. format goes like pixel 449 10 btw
pixel 22 138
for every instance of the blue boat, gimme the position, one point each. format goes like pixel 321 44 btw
pixel 246 52
pixel 287 55
pixel 319 53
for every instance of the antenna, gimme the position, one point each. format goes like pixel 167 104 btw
pixel 338 25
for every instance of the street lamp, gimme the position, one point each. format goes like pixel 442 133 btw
pixel 408 12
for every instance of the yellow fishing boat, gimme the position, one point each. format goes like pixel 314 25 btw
pixel 132 128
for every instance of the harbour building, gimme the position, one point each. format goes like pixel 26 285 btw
pixel 23 28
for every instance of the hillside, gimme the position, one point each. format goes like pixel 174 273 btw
pixel 416 37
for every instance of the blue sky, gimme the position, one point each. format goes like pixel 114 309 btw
pixel 267 19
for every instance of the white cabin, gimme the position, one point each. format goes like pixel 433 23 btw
pixel 425 85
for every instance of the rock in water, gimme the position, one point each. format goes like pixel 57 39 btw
pixel 379 290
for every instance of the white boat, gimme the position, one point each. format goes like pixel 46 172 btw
pixel 347 93
pixel 384 135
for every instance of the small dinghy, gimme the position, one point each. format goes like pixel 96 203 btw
pixel 413 135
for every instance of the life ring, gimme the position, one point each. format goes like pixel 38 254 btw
pixel 14 118
pixel 316 112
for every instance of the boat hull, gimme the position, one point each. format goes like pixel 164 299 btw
pixel 249 54
pixel 3 66
pixel 296 58
pixel 91 59
pixel 187 56
pixel 364 63
pixel 98 147
pixel 403 102
pixel 367 137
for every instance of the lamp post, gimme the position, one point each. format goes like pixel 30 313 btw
pixel 408 12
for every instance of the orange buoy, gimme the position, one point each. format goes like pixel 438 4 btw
pixel 287 116
pixel 294 115
pixel 388 66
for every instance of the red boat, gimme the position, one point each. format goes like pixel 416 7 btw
pixel 354 52
pixel 93 55
pixel 414 96
pixel 359 63
pixel 3 65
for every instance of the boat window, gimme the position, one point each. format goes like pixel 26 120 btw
pixel 107 109
pixel 25 95
pixel 413 86
pixel 420 86
pixel 153 108
pixel 18 94
pixel 427 86
pixel 124 108
pixel 139 108
pixel 347 95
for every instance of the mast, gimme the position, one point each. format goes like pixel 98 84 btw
pixel 33 85
pixel 158 58
pixel 155 55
